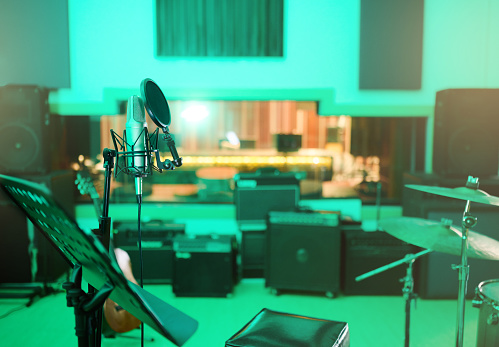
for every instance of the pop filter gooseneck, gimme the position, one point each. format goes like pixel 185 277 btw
pixel 157 108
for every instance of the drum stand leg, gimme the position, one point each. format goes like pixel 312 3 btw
pixel 464 270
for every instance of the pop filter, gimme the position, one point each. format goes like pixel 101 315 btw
pixel 155 103
pixel 157 108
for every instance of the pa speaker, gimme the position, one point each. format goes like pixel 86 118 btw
pixel 465 140
pixel 29 135
pixel 303 252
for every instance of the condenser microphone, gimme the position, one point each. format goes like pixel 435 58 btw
pixel 137 160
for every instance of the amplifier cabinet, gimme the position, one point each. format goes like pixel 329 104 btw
pixel 158 263
pixel 367 251
pixel 157 248
pixel 204 266
pixel 253 253
pixel 253 202
pixel 303 252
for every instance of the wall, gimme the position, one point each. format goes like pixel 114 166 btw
pixel 112 50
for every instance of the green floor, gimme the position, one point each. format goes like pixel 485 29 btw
pixel 373 320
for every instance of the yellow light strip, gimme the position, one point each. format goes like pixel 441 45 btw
pixel 256 160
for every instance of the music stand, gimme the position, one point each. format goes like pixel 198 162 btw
pixel 90 260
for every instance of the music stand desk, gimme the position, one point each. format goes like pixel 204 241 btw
pixel 83 248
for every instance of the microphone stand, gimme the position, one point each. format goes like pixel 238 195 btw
pixel 88 307
pixel 378 203
pixel 105 220
pixel 104 231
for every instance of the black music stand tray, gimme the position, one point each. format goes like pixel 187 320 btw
pixel 90 260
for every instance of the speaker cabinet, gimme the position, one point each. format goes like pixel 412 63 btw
pixel 25 254
pixel 253 253
pixel 157 248
pixel 303 252
pixel 204 266
pixel 465 140
pixel 367 251
pixel 253 201
pixel 437 279
pixel 82 137
pixel 256 194
pixel 157 261
pixel 30 137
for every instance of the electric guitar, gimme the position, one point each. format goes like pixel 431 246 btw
pixel 86 186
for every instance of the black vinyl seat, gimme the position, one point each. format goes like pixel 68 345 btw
pixel 277 329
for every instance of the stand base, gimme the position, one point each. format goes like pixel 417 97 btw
pixel 23 290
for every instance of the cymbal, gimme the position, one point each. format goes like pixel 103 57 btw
pixel 462 193
pixel 440 237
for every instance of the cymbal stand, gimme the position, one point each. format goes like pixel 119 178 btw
pixel 408 290
pixel 464 270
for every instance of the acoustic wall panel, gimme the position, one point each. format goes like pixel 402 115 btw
pixel 391 44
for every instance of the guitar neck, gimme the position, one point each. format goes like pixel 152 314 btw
pixel 97 206
pixel 86 186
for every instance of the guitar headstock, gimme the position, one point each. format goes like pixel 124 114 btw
pixel 85 185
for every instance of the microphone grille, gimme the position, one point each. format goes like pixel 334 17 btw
pixel 137 108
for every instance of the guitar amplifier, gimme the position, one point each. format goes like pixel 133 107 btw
pixel 303 252
pixel 367 251
pixel 256 194
pixel 204 265
pixel 157 248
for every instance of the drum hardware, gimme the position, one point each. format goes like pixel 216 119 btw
pixel 407 290
pixel 486 299
pixel 469 193
pixel 493 319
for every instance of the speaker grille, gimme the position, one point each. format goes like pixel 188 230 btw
pixel 30 137
pixel 21 147
pixel 303 257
